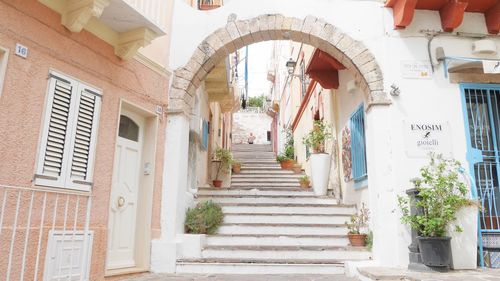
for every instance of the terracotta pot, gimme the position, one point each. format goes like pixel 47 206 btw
pixel 207 7
pixel 357 240
pixel 236 168
pixel 286 164
pixel 217 183
pixel 305 185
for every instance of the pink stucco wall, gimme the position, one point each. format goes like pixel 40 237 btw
pixel 87 58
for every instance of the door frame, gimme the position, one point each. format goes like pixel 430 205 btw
pixel 472 156
pixel 146 188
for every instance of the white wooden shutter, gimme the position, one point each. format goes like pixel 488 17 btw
pixel 67 146
pixel 54 143
pixel 84 136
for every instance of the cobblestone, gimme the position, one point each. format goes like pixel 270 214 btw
pixel 230 277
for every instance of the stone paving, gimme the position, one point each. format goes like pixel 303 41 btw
pixel 220 277
pixel 383 273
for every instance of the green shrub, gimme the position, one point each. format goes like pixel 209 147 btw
pixel 205 218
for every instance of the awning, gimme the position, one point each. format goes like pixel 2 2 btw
pixel 323 68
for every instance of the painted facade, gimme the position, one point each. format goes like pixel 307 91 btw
pixel 393 78
pixel 68 68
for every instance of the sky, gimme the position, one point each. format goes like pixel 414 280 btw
pixel 259 55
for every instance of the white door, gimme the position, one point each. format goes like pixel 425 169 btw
pixel 124 193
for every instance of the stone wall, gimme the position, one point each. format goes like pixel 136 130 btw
pixel 251 122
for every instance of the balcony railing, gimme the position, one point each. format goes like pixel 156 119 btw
pixel 206 5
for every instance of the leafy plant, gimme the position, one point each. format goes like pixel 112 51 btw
pixel 358 220
pixel 289 151
pixel 441 193
pixel 369 240
pixel 304 179
pixel 224 160
pixel 205 218
pixel 317 137
pixel 256 101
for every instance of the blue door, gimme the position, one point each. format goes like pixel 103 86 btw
pixel 482 118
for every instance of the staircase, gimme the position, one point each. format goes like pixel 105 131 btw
pixel 272 226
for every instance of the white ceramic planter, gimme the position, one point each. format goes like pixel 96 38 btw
pixel 464 244
pixel 320 172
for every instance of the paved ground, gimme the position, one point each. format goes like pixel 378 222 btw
pixel 217 277
pixel 380 273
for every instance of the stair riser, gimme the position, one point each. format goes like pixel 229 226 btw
pixel 259 269
pixel 285 219
pixel 288 210
pixel 287 255
pixel 282 230
pixel 257 200
pixel 266 181
pixel 266 177
pixel 266 172
pixel 264 184
pixel 231 192
pixel 275 241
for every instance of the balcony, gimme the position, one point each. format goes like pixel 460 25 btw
pixel 206 5
pixel 220 90
pixel 125 24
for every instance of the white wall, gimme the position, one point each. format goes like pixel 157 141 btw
pixel 245 123
pixel 436 99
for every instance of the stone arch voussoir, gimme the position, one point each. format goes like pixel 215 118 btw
pixel 311 30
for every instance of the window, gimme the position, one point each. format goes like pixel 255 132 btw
pixel 67 146
pixel 4 54
pixel 358 144
pixel 204 142
pixel 303 89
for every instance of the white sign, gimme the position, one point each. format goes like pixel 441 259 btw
pixel 21 50
pixel 491 66
pixel 414 69
pixel 424 137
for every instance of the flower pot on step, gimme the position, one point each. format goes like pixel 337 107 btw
pixel 357 240
pixel 435 251
pixel 320 172
pixel 217 183
pixel 286 164
pixel 305 185
pixel 236 168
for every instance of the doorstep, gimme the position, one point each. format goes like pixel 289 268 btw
pixel 392 274
pixel 118 274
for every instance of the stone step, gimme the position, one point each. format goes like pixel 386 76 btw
pixel 266 172
pixel 237 266
pixel 285 218
pixel 254 192
pixel 283 229
pixel 277 209
pixel 265 180
pixel 263 168
pixel 271 200
pixel 286 253
pixel 260 187
pixel 266 176
pixel 265 184
pixel 243 240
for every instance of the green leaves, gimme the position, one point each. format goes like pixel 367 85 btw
pixel 225 159
pixel 440 194
pixel 205 218
pixel 358 220
pixel 318 136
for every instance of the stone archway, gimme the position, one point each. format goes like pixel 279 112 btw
pixel 311 30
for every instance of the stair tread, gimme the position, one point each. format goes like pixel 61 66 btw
pixel 286 248
pixel 261 261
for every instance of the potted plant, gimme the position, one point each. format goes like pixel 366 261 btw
pixel 355 225
pixel 297 168
pixel 223 158
pixel 320 160
pixel 205 218
pixel 286 158
pixel 441 193
pixel 304 182
pixel 206 5
pixel 236 166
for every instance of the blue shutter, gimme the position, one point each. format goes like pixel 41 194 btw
pixel 358 145
pixel 205 135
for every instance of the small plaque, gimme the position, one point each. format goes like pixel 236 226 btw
pixel 21 50
pixel 424 137
pixel 416 69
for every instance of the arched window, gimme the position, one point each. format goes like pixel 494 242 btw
pixel 128 129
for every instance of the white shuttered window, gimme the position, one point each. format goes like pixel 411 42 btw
pixel 67 148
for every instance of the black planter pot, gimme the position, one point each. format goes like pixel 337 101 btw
pixel 435 251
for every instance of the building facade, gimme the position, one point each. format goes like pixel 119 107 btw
pixel 82 115
pixel 399 68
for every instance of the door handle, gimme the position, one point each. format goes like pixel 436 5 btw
pixel 121 201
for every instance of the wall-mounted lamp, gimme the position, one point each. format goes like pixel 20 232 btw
pixel 290 66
